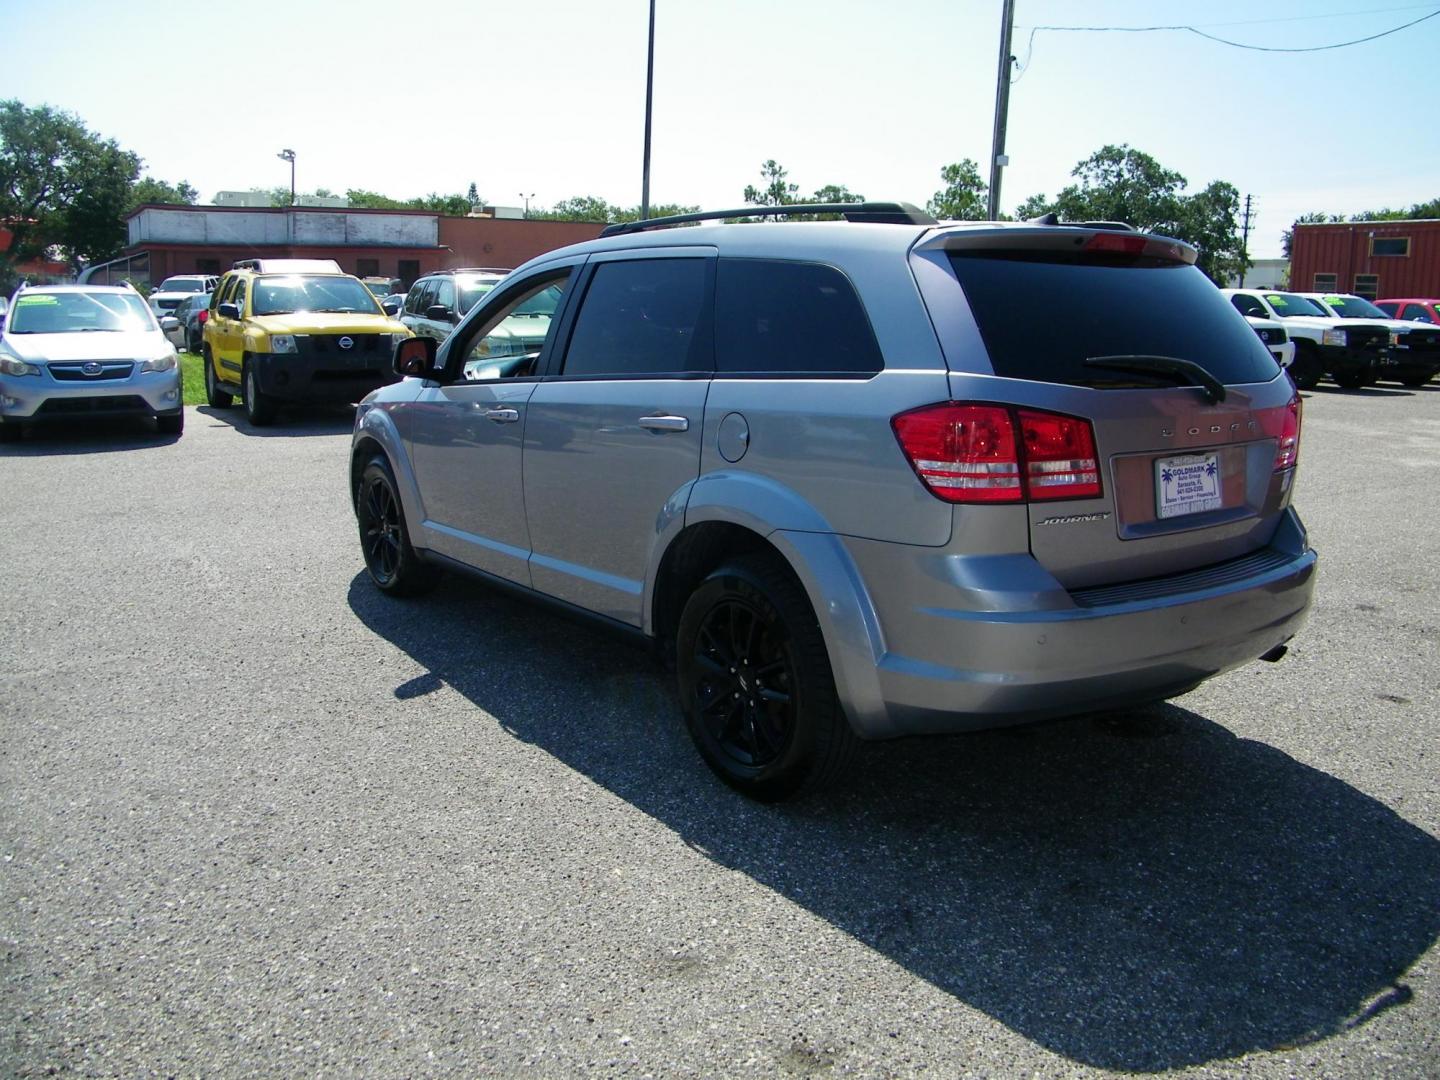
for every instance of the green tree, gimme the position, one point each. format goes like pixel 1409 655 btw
pixel 1210 222
pixel 1315 217
pixel 148 190
pixel 371 200
pixel 63 188
pixel 1118 183
pixel 577 208
pixel 1033 207
pixel 656 210
pixel 472 196
pixel 778 191
pixel 963 196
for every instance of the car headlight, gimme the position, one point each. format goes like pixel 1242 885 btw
pixel 13 365
pixel 1395 337
pixel 159 363
pixel 282 343
pixel 1334 337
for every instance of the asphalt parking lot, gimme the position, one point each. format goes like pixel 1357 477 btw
pixel 257 819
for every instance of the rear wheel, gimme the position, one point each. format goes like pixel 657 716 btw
pixel 260 408
pixel 1306 368
pixel 384 540
pixel 1351 380
pixel 756 684
pixel 214 396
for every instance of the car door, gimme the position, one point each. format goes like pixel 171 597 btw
pixel 465 434
pixel 612 435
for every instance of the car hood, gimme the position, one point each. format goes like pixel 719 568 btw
pixel 89 345
pixel 328 322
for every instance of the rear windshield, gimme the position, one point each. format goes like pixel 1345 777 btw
pixel 1042 314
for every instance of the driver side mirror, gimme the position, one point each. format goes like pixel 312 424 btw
pixel 439 313
pixel 228 311
pixel 415 356
pixel 169 322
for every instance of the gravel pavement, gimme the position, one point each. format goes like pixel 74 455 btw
pixel 256 819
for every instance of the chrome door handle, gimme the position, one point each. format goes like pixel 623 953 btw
pixel 665 423
pixel 502 416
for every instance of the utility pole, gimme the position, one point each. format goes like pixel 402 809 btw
pixel 649 99
pixel 998 160
pixel 1245 242
pixel 289 155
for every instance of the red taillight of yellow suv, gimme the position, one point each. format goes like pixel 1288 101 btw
pixel 978 453
pixel 1283 425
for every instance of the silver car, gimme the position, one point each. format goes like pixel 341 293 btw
pixel 85 350
pixel 860 479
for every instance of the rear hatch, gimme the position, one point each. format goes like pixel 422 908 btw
pixel 1186 409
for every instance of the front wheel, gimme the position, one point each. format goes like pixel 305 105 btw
pixel 756 684
pixel 260 408
pixel 384 540
pixel 1351 380
pixel 1305 369
pixel 1416 380
pixel 214 396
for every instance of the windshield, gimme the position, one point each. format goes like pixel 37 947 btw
pixel 182 284
pixel 1294 304
pixel 77 312
pixel 1354 307
pixel 471 290
pixel 311 292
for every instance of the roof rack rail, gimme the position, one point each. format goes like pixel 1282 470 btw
pixel 1052 218
pixel 886 213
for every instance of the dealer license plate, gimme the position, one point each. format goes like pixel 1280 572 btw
pixel 1187 485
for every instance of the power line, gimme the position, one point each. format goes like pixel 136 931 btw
pixel 1255 22
pixel 1225 41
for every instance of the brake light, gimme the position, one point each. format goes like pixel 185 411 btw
pixel 970 453
pixel 1126 243
pixel 1283 425
pixel 204 314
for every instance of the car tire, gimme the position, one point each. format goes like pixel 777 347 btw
pixel 1351 380
pixel 171 423
pixel 1416 380
pixel 749 629
pixel 391 561
pixel 192 343
pixel 214 396
pixel 260 408
pixel 1306 369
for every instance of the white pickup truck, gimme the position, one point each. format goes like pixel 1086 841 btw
pixel 1414 356
pixel 1349 351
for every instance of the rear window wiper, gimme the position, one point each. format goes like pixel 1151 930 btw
pixel 1187 372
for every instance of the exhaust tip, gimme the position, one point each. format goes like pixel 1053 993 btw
pixel 1275 655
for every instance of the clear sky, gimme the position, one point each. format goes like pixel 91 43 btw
pixel 548 96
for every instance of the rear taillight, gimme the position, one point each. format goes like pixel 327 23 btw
pixel 1283 425
pixel 204 314
pixel 973 453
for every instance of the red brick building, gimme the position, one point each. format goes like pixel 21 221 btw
pixel 166 240
pixel 1374 259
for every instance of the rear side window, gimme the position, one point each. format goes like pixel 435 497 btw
pixel 774 316
pixel 641 317
pixel 1042 314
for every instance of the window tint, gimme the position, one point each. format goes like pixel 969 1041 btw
pixel 1248 305
pixel 239 296
pixel 1042 314
pixel 445 293
pixel 1417 313
pixel 641 317
pixel 508 342
pixel 223 293
pixel 412 298
pixel 790 316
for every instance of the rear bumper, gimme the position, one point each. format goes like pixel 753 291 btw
pixel 1052 653
pixel 320 379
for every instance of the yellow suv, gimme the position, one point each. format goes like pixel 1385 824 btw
pixel 294 331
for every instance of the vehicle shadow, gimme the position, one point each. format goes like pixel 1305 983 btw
pixel 1365 391
pixel 1139 891
pixel 90 435
pixel 292 423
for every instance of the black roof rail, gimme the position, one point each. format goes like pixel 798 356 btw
pixel 885 213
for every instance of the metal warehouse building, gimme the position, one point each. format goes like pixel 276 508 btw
pixel 1370 258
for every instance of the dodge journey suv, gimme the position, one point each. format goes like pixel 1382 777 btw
pixel 859 479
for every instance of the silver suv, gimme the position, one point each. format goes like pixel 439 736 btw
pixel 860 479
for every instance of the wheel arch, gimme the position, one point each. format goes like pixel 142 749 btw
pixel 375 433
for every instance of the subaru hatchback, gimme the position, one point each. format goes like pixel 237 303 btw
pixel 860 479
pixel 71 351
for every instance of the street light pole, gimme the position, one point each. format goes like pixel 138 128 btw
pixel 649 100
pixel 998 160
pixel 527 199
pixel 289 155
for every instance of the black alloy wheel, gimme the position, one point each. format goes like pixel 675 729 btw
pixel 756 684
pixel 391 561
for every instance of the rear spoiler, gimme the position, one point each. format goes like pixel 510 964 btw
pixel 1091 236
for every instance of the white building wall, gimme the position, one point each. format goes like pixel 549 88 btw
pixel 158 225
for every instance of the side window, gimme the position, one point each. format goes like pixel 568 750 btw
pixel 222 292
pixel 790 317
pixel 1416 313
pixel 509 341
pixel 641 317
pixel 412 298
pixel 1248 305
pixel 239 300
pixel 444 293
